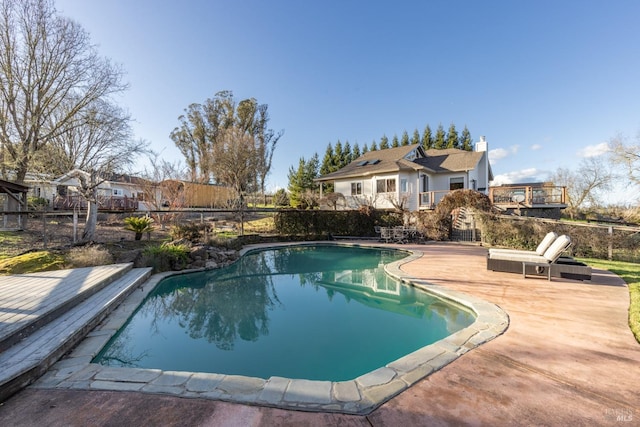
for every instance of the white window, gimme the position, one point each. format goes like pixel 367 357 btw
pixel 117 192
pixel 404 185
pixel 356 188
pixel 386 185
pixel 456 183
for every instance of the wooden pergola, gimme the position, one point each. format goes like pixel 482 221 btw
pixel 14 205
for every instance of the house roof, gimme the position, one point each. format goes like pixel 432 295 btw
pixel 394 160
pixel 12 187
pixel 113 177
pixel 377 162
pixel 450 160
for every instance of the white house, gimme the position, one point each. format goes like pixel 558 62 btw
pixel 118 192
pixel 410 176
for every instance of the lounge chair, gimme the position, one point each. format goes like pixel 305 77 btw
pixel 542 263
pixel 540 250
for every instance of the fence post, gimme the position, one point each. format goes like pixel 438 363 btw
pixel 75 225
pixel 44 229
pixel 610 249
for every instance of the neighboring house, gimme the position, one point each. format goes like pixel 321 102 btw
pixel 117 192
pixel 410 177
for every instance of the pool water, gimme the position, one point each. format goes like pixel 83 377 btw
pixel 315 312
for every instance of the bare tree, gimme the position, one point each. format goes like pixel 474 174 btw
pixel 584 184
pixel 49 73
pixel 161 188
pixel 97 143
pixel 203 125
pixel 627 154
pixel 235 158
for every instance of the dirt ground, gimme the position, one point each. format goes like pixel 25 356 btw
pixel 57 234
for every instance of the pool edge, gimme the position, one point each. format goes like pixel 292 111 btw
pixel 360 396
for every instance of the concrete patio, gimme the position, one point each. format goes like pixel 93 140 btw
pixel 567 358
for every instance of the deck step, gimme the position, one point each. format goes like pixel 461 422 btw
pixel 27 360
pixel 28 301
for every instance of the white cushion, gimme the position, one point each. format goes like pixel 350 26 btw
pixel 557 247
pixel 540 250
pixel 546 242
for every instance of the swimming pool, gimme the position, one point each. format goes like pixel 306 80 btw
pixel 321 312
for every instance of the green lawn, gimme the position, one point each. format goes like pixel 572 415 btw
pixel 630 273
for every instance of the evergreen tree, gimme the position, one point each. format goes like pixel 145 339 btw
pixel 337 156
pixel 395 143
pixel 384 143
pixel 356 152
pixel 427 138
pixel 404 140
pixel 301 179
pixel 439 141
pixel 374 146
pixel 365 149
pixel 415 139
pixel 452 137
pixel 328 166
pixel 327 161
pixel 466 143
pixel 347 155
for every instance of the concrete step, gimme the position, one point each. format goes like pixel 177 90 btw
pixel 29 301
pixel 27 360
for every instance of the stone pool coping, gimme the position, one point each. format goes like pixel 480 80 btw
pixel 358 396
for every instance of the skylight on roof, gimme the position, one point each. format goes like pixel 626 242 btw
pixel 362 163
pixel 374 162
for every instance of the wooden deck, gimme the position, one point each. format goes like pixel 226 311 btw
pixel 43 315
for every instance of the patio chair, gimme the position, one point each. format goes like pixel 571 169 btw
pixel 540 250
pixel 541 263
pixel 386 234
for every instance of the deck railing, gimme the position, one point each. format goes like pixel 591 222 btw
pixel 111 203
pixel 429 199
pixel 529 196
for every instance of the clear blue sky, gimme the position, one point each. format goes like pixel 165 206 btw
pixel 544 81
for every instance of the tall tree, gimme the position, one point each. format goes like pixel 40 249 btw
pixel 203 125
pixel 452 137
pixel 465 142
pixel 347 155
pixel 236 159
pixel 49 74
pixel 328 165
pixel 395 142
pixel 301 185
pixel 356 151
pixel 439 140
pixel 373 146
pixel 338 155
pixel 384 143
pixel 427 138
pixel 404 140
pixel 94 146
pixel 584 184
pixel 415 138
pixel 626 154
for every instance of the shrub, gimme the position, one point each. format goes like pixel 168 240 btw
pixel 139 225
pixel 37 203
pixel 167 257
pixel 88 256
pixel 190 231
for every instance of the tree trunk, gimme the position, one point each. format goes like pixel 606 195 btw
pixel 91 223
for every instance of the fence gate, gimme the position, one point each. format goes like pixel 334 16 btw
pixel 463 227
